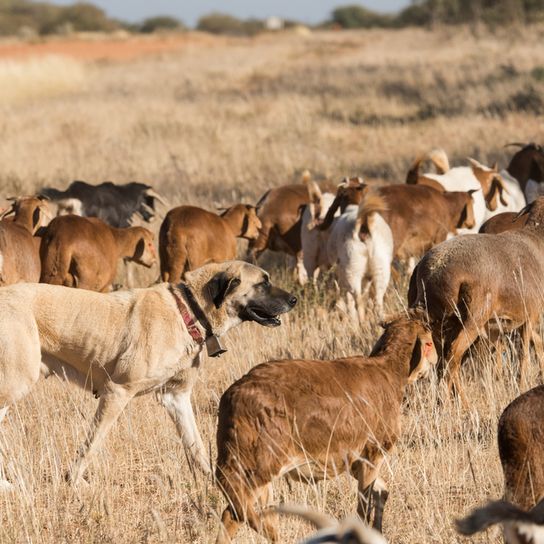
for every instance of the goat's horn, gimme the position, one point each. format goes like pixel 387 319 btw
pixel 155 195
pixel 7 212
pixel 515 144
pixel 320 520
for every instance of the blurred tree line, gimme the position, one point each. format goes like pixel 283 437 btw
pixel 42 18
pixel 431 12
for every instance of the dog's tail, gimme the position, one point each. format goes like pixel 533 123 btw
pixel 373 203
pixel 437 156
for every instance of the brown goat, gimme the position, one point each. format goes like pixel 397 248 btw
pixel 191 237
pixel 315 419
pixel 419 216
pixel 521 449
pixel 527 164
pixel 83 251
pixel 503 222
pixel 471 283
pixel 19 255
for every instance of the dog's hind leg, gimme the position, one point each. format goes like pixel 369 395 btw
pixel 179 407
pixel 112 402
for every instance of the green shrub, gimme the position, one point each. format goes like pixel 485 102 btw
pixel 221 23
pixel 161 22
pixel 355 16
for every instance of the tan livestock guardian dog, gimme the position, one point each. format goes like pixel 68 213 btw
pixel 121 345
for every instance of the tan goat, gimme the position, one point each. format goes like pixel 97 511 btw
pixel 191 237
pixel 19 255
pixel 316 419
pixel 471 284
pixel 521 449
pixel 83 252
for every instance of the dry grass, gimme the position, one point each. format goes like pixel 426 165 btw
pixel 220 124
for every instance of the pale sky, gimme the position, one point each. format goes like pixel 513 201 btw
pixel 308 11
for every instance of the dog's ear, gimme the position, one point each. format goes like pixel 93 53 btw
pixel 220 286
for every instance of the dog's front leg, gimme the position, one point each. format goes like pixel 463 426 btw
pixel 112 402
pixel 179 407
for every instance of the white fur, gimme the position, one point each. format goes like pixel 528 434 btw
pixel 314 241
pixel 462 178
pixel 357 260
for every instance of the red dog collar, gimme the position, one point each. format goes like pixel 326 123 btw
pixel 190 324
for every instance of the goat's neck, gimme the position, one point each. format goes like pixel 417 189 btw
pixel 395 351
pixel 126 240
pixel 24 218
pixel 234 219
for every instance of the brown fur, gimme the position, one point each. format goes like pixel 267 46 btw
pixel 83 252
pixel 280 213
pixel 191 237
pixel 471 281
pixel 20 260
pixel 521 448
pixel 493 187
pixel 339 415
pixel 503 222
pixel 419 217
pixel 526 164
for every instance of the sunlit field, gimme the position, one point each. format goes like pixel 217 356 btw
pixel 217 122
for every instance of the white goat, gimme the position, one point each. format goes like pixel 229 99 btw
pixel 361 244
pixel 494 194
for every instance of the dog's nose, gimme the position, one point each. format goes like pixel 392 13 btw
pixel 292 301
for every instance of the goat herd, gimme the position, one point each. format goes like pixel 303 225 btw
pixel 304 419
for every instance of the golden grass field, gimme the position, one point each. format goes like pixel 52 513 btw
pixel 215 124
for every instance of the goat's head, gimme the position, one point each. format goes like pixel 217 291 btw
pixel 519 527
pixel 535 211
pixel 493 187
pixel 467 219
pixel 245 216
pixel 412 326
pixel 527 163
pixel 33 210
pixel 144 250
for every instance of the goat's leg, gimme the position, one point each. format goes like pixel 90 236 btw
pixel 466 337
pixel 366 475
pixel 525 332
pixel 112 402
pixel 380 495
pixel 539 347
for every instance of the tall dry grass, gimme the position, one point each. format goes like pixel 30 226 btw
pixel 223 124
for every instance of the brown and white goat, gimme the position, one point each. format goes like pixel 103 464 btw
pixel 521 449
pixel 348 531
pixel 83 252
pixel 19 255
pixel 191 237
pixel 469 284
pixel 419 217
pixel 311 420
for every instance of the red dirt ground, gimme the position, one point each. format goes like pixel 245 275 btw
pixel 104 48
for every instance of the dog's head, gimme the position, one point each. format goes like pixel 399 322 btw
pixel 241 292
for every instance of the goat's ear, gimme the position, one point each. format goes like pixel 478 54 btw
pixel 417 355
pixel 140 248
pixel 220 286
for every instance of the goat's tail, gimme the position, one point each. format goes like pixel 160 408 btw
pixel 56 262
pixel 372 204
pixel 437 156
pixel 172 253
